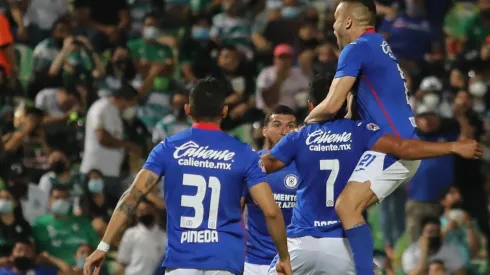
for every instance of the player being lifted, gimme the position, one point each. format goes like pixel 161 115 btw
pixel 325 155
pixel 205 172
pixel 260 247
pixel 368 67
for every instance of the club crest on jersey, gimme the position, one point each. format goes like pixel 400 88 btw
pixel 291 181
pixel 372 127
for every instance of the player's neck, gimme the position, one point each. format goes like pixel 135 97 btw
pixel 207 125
pixel 358 32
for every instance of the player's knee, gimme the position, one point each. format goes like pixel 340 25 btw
pixel 351 201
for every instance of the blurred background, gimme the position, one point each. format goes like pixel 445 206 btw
pixel 88 87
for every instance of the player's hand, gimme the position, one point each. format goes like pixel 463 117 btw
pixel 95 260
pixel 468 149
pixel 283 267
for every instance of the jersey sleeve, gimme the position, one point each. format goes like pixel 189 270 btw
pixel 285 149
pixel 156 160
pixel 350 60
pixel 255 171
pixel 368 132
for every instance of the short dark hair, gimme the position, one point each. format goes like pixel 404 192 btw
pixel 228 47
pixel 430 220
pixel 319 87
pixel 278 110
pixel 207 99
pixel 59 187
pixel 64 20
pixel 126 91
pixel 369 4
pixel 152 15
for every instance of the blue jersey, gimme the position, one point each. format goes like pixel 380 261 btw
pixel 325 156
pixel 205 171
pixel 382 95
pixel 260 247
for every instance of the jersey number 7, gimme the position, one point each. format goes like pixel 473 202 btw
pixel 333 166
pixel 196 201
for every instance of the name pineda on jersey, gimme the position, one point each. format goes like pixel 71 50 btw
pixel 320 140
pixel 192 154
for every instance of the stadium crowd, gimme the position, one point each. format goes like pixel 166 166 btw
pixel 88 87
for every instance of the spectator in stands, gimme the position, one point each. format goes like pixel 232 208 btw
pixel 13 226
pixel 104 145
pixel 323 62
pixel 280 84
pixel 437 267
pixel 47 50
pixel 33 200
pixel 134 258
pixel 59 232
pixel 83 252
pixel 120 69
pixel 172 123
pixel 61 174
pixel 34 18
pixel 429 247
pixel 458 228
pixel 23 261
pixel 433 176
pixel 135 131
pixel 197 51
pixel 477 27
pixel 8 59
pixel 230 27
pixel 96 205
pixel 58 104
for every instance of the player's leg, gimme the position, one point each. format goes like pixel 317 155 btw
pixel 375 177
pixel 255 269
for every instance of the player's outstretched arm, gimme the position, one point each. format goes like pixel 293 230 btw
pixel 125 209
pixel 261 193
pixel 271 163
pixel 336 97
pixel 411 149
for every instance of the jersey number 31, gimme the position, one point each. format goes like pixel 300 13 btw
pixel 196 201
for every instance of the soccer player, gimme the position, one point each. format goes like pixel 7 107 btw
pixel 368 67
pixel 325 155
pixel 283 183
pixel 205 171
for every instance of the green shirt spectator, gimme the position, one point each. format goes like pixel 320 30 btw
pixel 477 27
pixel 59 233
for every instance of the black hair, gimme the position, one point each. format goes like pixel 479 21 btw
pixel 278 110
pixel 369 4
pixel 319 87
pixel 207 99
pixel 151 15
pixel 228 47
pixel 61 20
pixel 201 17
pixel 437 261
pixel 430 220
pixel 126 91
pixel 446 191
pixel 59 187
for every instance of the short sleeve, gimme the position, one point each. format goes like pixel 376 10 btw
pixel 368 132
pixel 39 101
pixel 98 119
pixel 156 159
pixel 285 149
pixel 255 171
pixel 350 60
pixel 263 81
pixel 124 251
pixel 409 260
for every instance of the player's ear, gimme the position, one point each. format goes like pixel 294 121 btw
pixel 264 131
pixel 348 23
pixel 310 105
pixel 224 112
pixel 187 109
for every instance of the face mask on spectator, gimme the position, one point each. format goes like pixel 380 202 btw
pixel 478 89
pixel 58 167
pixel 147 220
pixel 290 12
pixel 60 207
pixel 430 100
pixel 6 206
pixel 150 33
pixel 200 33
pixel 95 186
pixel 23 263
pixel 80 262
pixel 129 113
pixel 435 244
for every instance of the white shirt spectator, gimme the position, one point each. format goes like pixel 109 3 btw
pixel 294 85
pixel 102 114
pixel 36 203
pixel 43 13
pixel 47 101
pixel 142 249
pixel 447 254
